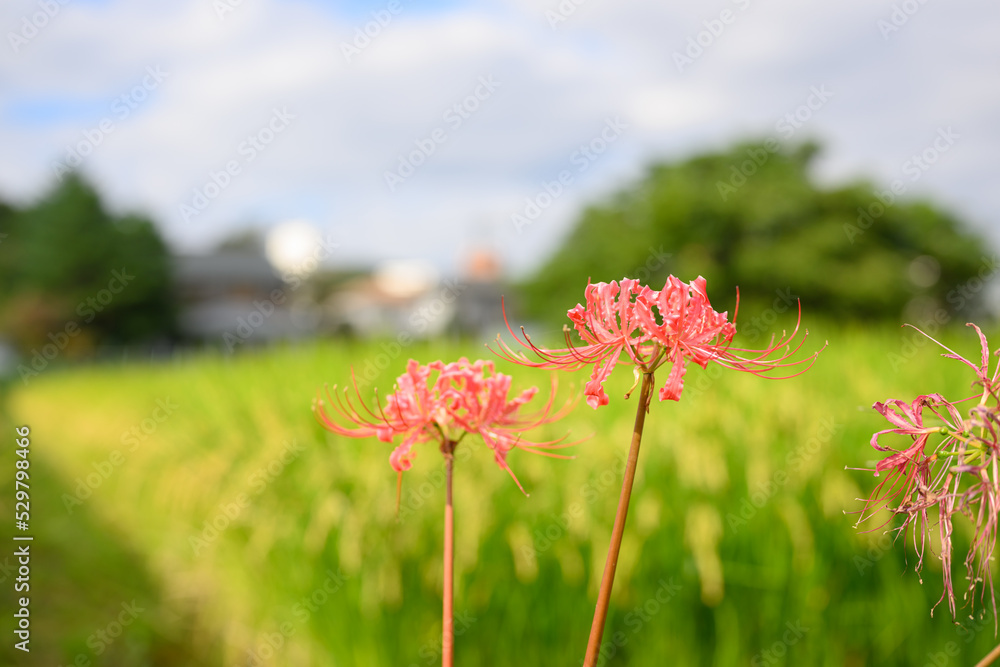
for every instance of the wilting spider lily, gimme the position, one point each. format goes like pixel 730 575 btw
pixel 948 465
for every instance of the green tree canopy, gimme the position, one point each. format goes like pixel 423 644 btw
pixel 67 260
pixel 753 218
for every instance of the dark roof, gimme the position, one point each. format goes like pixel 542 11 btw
pixel 227 268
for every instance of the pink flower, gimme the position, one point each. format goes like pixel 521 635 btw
pixel 462 398
pixel 951 465
pixel 673 325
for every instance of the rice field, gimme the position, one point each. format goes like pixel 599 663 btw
pixel 193 512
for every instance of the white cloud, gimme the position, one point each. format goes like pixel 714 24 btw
pixel 353 120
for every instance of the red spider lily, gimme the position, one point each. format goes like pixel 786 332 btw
pixel 673 325
pixel 957 472
pixel 464 398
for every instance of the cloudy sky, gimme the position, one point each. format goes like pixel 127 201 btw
pixel 418 129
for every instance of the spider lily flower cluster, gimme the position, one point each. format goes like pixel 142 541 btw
pixel 949 467
pixel 674 325
pixel 442 403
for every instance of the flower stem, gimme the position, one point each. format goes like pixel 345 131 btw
pixel 447 623
pixel 607 581
pixel 988 660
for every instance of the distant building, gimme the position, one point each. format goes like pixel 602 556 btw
pixel 477 311
pixel 235 297
pixel 410 297
pixel 405 296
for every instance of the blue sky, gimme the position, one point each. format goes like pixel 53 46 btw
pixel 349 113
pixel 362 9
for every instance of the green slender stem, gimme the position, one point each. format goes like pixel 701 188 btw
pixel 608 579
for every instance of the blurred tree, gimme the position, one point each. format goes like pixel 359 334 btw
pixel 68 266
pixel 752 217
